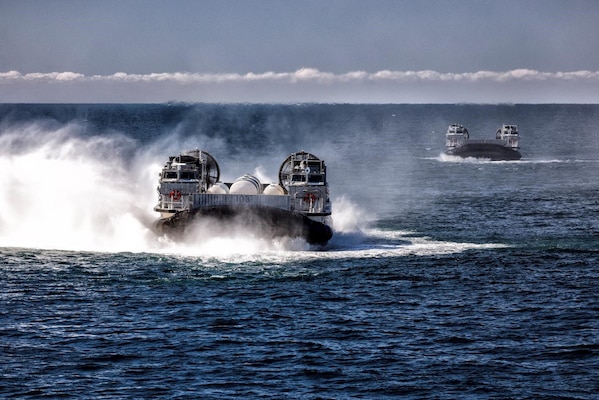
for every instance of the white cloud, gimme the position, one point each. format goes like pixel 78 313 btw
pixel 10 75
pixel 304 85
pixel 40 76
pixel 309 75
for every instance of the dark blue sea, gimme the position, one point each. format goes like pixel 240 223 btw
pixel 446 278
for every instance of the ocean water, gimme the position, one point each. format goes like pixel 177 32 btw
pixel 446 278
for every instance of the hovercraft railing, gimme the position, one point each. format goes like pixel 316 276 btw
pixel 240 200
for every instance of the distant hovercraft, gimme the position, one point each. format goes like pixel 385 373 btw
pixel 297 206
pixel 503 148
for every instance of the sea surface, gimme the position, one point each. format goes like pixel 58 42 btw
pixel 446 278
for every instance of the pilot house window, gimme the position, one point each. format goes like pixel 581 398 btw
pixel 299 178
pixel 188 175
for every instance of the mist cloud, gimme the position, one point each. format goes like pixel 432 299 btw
pixel 304 85
pixel 307 75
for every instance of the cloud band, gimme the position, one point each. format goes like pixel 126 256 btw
pixel 306 75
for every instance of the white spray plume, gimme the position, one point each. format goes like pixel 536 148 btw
pixel 64 192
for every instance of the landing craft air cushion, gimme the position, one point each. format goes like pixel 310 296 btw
pixel 503 148
pixel 297 206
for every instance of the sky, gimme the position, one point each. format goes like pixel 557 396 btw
pixel 290 51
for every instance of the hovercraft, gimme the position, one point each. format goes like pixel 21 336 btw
pixel 298 205
pixel 503 148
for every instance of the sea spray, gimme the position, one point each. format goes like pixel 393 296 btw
pixel 62 191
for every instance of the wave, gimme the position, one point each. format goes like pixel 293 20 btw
pixel 366 244
pixel 446 158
